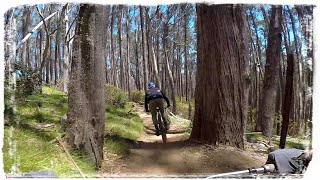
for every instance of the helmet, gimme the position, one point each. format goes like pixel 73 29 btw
pixel 151 84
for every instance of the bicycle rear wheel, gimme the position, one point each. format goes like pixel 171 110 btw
pixel 162 129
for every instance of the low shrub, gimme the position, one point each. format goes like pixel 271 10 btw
pixel 137 96
pixel 116 96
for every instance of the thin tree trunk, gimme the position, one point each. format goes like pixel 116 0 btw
pixel 122 76
pixel 257 37
pixel 66 54
pixel 128 52
pixel 144 60
pixel 153 55
pixel 137 62
pixel 25 31
pixel 186 54
pixel 171 82
pixel 287 103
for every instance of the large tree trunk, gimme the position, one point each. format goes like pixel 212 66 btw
pixel 267 103
pixel 86 116
pixel 222 84
pixel 287 103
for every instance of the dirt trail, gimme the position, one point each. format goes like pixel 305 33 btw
pixel 178 157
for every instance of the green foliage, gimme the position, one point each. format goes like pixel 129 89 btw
pixel 122 127
pixel 123 123
pixel 137 96
pixel 26 79
pixel 183 107
pixel 36 148
pixel 291 142
pixel 116 96
pixel 251 119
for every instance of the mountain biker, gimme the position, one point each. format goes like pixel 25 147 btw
pixel 290 160
pixel 154 97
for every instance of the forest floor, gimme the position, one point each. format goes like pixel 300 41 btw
pixel 149 157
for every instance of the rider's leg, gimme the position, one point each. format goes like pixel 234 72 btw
pixel 153 110
pixel 161 107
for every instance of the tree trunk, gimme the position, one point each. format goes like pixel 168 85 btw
pixel 153 57
pixel 257 37
pixel 25 31
pixel 144 59
pixel 128 52
pixel 186 22
pixel 10 56
pixel 168 70
pixel 287 103
pixel 122 76
pixel 66 55
pixel 137 62
pixel 297 77
pixel 222 79
pixel 267 103
pixel 86 116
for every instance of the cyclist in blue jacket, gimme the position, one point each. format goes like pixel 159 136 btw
pixel 154 97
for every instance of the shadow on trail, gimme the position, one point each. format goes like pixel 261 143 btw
pixel 168 145
pixel 151 131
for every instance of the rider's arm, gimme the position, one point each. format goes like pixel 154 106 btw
pixel 165 98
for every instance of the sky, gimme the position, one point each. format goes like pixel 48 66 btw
pixel 312 172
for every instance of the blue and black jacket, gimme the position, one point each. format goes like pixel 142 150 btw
pixel 154 93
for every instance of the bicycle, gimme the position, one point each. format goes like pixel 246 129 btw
pixel 161 126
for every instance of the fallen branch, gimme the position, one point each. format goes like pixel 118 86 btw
pixel 69 156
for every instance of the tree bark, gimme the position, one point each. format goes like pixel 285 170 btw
pixel 168 70
pixel 137 61
pixel 144 59
pixel 66 55
pixel 186 22
pixel 86 116
pixel 153 57
pixel 267 103
pixel 122 76
pixel 222 79
pixel 287 103
pixel 10 56
pixel 128 52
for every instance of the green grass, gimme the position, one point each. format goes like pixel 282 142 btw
pixel 37 150
pixel 34 153
pixel 291 142
pixel 183 107
pixel 121 128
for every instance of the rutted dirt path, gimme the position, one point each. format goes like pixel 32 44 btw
pixel 178 157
